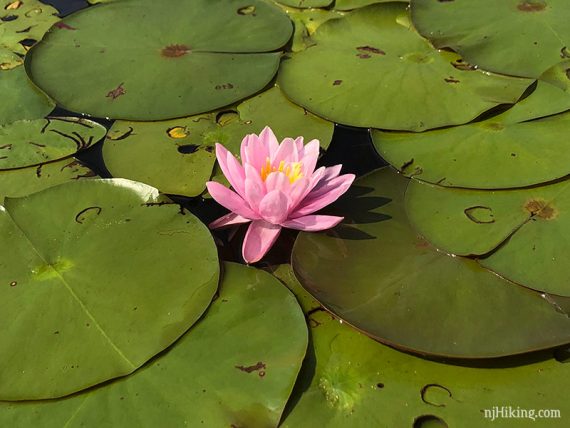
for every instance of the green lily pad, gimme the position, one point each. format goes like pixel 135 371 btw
pixel 235 367
pixel 357 4
pixel 139 150
pixel 379 275
pixel 516 37
pixel 26 143
pixel 22 20
pixel 350 380
pixel 522 230
pixel 97 277
pixel 306 3
pixel 518 151
pixel 306 22
pixel 559 75
pixel 190 58
pixel 371 69
pixel 21 99
pixel 17 183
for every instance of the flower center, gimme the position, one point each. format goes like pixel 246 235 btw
pixel 291 170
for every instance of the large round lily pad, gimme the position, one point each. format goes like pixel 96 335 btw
pixel 378 274
pixel 516 37
pixel 519 152
pixel 350 380
pixel 97 277
pixel 22 20
pixel 523 231
pixel 21 99
pixel 236 367
pixel 26 143
pixel 371 69
pixel 141 60
pixel 16 183
pixel 139 150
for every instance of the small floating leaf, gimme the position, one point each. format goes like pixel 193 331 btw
pixel 26 143
pixel 16 183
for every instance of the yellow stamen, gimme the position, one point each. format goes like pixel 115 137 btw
pixel 291 170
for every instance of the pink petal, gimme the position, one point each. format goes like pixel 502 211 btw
pixel 254 151
pixel 287 152
pixel 332 172
pixel 329 193
pixel 259 238
pixel 230 200
pixel 317 177
pixel 299 189
pixel 230 167
pixel 313 223
pixel 310 157
pixel 269 140
pixel 299 144
pixel 254 191
pixel 228 220
pixel 278 181
pixel 274 207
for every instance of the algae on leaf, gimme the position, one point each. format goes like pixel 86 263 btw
pixel 350 380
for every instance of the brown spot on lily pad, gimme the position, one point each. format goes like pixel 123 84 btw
pixel 370 49
pixel 531 6
pixel 259 366
pixel 540 208
pixel 64 26
pixel 13 283
pixel 337 82
pixel 117 92
pixel 175 51
pixel 451 79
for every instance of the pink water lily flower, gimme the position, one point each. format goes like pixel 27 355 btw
pixel 276 186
